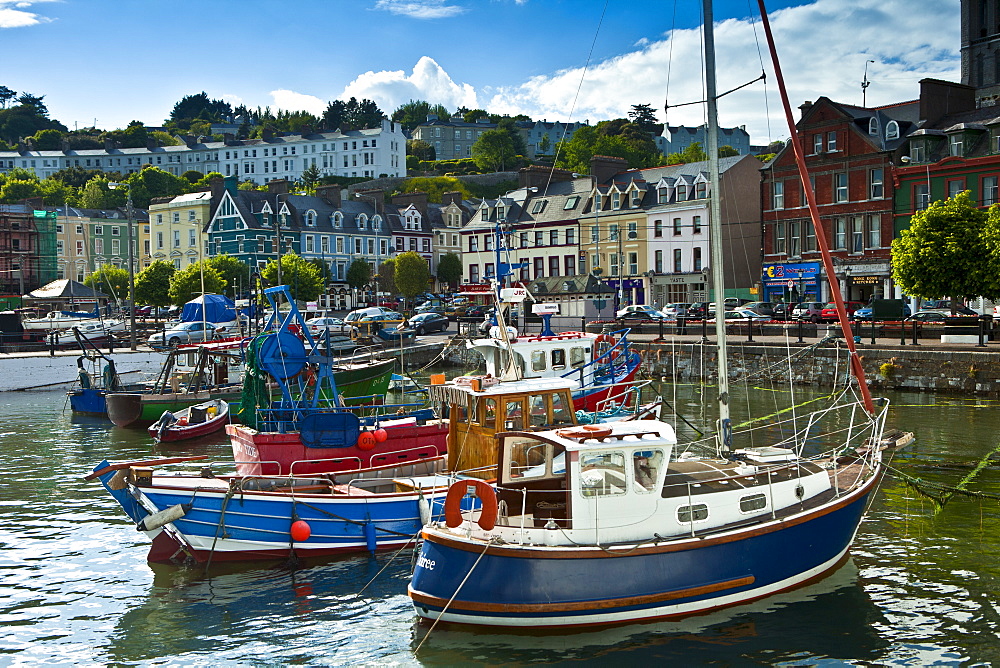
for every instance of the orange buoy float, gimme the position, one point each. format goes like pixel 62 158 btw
pixel 478 488
pixel 380 435
pixel 366 440
pixel 300 531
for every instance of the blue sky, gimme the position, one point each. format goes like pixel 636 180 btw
pixel 115 61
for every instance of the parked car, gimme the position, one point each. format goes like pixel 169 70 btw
pixel 781 310
pixel 739 315
pixel 698 310
pixel 945 306
pixel 423 323
pixel 639 311
pixel 474 313
pixel 319 326
pixel 928 316
pixel 357 314
pixel 144 311
pixel 811 311
pixel 460 311
pixel 433 306
pixel 760 308
pixel 733 302
pixel 184 332
pixel 865 312
pixel 829 312
pixel 671 311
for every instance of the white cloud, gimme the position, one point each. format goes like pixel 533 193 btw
pixel 428 81
pixel 823 47
pixel 12 14
pixel 420 9
pixel 289 100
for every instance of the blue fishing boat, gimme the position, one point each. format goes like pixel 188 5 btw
pixel 97 377
pixel 617 523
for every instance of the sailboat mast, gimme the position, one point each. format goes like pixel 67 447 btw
pixel 821 240
pixel 725 431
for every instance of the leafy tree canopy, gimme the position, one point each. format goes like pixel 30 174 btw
pixel 300 275
pixel 359 274
pixel 644 116
pixel 617 138
pixel 413 113
pixel 198 106
pixel 47 140
pixel 363 114
pixel 951 249
pixel 185 284
pixel 450 269
pixel 387 276
pixel 152 284
pixel 494 151
pixel 76 177
pixel 412 274
pixel 233 271
pixel 110 280
pixel 421 149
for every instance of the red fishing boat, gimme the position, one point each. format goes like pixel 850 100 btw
pixel 192 422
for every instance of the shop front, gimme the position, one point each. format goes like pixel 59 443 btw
pixel 862 281
pixel 791 282
pixel 627 291
pixel 679 288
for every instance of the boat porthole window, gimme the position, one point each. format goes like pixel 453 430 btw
pixel 602 474
pixel 752 503
pixel 560 411
pixel 695 513
pixel 539 415
pixel 577 356
pixel 513 419
pixel 538 360
pixel 490 413
pixel 558 358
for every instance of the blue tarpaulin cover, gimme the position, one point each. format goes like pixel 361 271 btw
pixel 218 308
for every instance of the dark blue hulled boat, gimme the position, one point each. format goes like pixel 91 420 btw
pixel 616 523
pixel 97 377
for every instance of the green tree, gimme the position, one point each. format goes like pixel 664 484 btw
pixel 494 151
pixel 110 280
pixel 412 274
pixel 359 274
pixel 644 116
pixel 435 186
pixel 6 95
pixel 300 275
pixel 617 138
pixel 14 190
pixel 727 151
pixel 152 182
pixel 152 284
pixel 233 271
pixel 420 149
pixel 413 113
pixel 56 193
pixel 47 140
pixel 949 250
pixel 76 177
pixel 97 195
pixel 387 276
pixel 450 269
pixel 323 268
pixel 186 284
pixel 472 115
pixel 544 144
pixel 192 176
pixel 310 177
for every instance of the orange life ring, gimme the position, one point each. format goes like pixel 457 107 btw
pixel 586 431
pixel 309 374
pixel 611 341
pixel 487 498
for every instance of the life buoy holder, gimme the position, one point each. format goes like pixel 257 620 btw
pixel 597 431
pixel 610 340
pixel 487 499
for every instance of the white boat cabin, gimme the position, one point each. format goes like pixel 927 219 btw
pixel 621 483
pixel 543 356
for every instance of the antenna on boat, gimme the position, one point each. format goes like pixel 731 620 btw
pixel 821 241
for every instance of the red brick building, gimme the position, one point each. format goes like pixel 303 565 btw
pixel 19 252
pixel 848 151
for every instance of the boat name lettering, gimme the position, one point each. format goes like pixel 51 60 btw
pixel 424 562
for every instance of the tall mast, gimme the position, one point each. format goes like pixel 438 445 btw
pixel 821 240
pixel 725 430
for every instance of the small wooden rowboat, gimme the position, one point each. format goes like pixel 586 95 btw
pixel 194 421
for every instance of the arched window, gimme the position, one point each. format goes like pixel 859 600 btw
pixel 376 222
pixel 362 221
pixel 338 219
pixel 310 218
pixel 873 126
pixel 892 130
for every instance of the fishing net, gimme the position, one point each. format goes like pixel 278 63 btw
pixel 255 394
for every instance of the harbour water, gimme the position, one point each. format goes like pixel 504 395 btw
pixel 921 587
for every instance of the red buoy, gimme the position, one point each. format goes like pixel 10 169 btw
pixel 300 531
pixel 381 435
pixel 366 441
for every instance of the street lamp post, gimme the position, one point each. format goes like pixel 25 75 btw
pixel 131 269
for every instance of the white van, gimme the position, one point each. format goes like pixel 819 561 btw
pixel 360 313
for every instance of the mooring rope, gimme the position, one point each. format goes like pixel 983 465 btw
pixel 413 539
pixel 941 493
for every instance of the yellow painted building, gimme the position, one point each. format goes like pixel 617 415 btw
pixel 175 232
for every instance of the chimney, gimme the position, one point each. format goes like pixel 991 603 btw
pixel 278 187
pixel 603 167
pixel 109 144
pixel 151 143
pixel 450 197
pixel 267 134
pixel 218 186
pixel 431 117
pixel 805 107
pixel 228 138
pixel 330 193
pixel 942 98
pixel 65 145
pixel 417 199
pixel 374 197
pixel 537 176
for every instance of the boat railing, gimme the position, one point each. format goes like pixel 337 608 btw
pixel 630 390
pixel 283 416
pixel 607 365
pixel 332 460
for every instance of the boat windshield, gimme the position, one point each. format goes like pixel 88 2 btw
pixel 529 460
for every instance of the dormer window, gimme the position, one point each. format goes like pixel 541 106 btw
pixel 362 222
pixel 701 190
pixel 873 126
pixel 486 213
pixel 338 219
pixel 918 152
pixel 501 212
pixel 662 196
pixel 310 218
pixel 955 145
pixel 635 198
pixel 376 222
pixel 598 201
pixel 682 193
pixel 616 200
pixel 892 130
